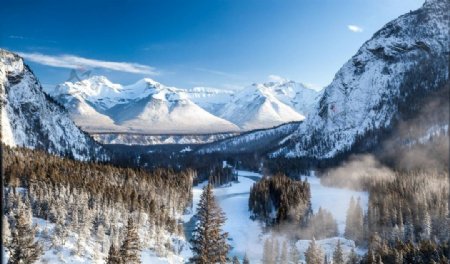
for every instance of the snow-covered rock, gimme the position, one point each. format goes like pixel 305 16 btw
pixel 100 106
pixel 401 63
pixel 256 107
pixel 30 118
pixel 387 80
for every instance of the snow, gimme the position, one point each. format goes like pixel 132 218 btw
pixel 30 119
pixel 335 200
pixel 99 106
pixel 247 236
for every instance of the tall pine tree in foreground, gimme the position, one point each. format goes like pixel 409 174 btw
pixel 209 243
pixel 23 248
pixel 130 251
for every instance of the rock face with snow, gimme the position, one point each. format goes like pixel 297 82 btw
pixel 257 107
pixel 30 118
pixel 98 105
pixel 386 81
pixel 148 107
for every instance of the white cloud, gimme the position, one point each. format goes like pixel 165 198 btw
pixel 216 72
pixel 75 62
pixel 355 28
pixel 276 78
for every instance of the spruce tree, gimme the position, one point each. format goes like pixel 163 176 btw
pixel 209 243
pixel 113 255
pixel 352 257
pixel 23 248
pixel 338 255
pixel 314 254
pixel 245 260
pixel 294 255
pixel 130 250
pixel 236 260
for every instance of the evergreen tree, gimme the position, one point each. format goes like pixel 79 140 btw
pixel 209 243
pixel 23 248
pixel 236 260
pixel 294 255
pixel 314 253
pixel 352 257
pixel 113 255
pixel 268 253
pixel 245 260
pixel 130 250
pixel 6 231
pixel 338 255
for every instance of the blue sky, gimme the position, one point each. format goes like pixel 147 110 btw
pixel 216 43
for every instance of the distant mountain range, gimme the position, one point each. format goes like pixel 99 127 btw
pixel 99 106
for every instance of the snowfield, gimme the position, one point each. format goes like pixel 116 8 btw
pixel 247 236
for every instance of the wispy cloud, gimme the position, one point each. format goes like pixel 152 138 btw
pixel 355 28
pixel 221 73
pixel 75 62
pixel 276 78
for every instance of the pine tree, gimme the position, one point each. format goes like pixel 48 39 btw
pixel 209 243
pixel 294 255
pixel 352 257
pixel 6 231
pixel 236 260
pixel 113 255
pixel 268 253
pixel 130 250
pixel 245 260
pixel 23 248
pixel 314 253
pixel 338 255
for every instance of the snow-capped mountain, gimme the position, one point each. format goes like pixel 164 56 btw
pixel 30 118
pixel 296 95
pixel 256 107
pixel 148 107
pixel 98 105
pixel 387 80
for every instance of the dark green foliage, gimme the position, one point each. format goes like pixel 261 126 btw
pixel 209 243
pixel 113 255
pixel 290 199
pixel 130 250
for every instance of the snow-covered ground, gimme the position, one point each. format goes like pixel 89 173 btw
pixel 247 236
pixel 335 200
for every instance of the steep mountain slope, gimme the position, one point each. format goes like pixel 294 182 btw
pixel 98 105
pixel 388 80
pixel 256 107
pixel 384 82
pixel 293 94
pixel 31 118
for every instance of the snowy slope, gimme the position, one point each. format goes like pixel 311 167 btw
pixel 387 79
pixel 294 94
pixel 98 105
pixel 256 107
pixel 30 118
pixel 404 60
